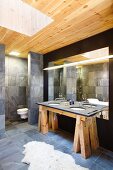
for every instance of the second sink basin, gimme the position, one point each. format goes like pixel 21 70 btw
pixel 54 104
pixel 77 108
pixel 89 105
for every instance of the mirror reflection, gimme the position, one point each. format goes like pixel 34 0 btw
pixel 83 82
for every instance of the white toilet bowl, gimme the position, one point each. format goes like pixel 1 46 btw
pixel 23 113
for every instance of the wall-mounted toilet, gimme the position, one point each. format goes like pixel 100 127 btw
pixel 23 112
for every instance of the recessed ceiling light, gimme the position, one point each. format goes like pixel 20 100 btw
pixel 15 53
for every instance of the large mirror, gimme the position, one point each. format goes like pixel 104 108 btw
pixel 88 78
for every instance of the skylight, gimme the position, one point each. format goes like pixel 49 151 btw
pixel 21 17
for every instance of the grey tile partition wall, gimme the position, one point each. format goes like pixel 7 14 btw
pixel 16 82
pixel 2 89
pixel 35 85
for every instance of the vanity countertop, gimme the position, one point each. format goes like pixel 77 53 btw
pixel 80 108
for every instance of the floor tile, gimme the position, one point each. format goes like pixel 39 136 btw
pixel 2 136
pixel 20 140
pixel 15 158
pixel 23 127
pixel 11 147
pixel 85 162
pixel 106 152
pixel 12 131
pixel 95 166
pixel 105 161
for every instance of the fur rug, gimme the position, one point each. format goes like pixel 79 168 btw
pixel 42 156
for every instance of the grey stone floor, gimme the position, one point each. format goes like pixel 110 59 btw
pixel 11 147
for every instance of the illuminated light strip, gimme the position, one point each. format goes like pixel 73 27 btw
pixel 78 63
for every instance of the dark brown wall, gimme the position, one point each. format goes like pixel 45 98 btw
pixel 105 128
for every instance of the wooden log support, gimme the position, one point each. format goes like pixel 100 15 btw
pixel 39 123
pixel 93 134
pixel 54 121
pixel 50 120
pixel 81 138
pixel 84 139
pixel 76 145
pixel 43 119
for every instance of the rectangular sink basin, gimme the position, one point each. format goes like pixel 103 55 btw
pixel 54 104
pixel 77 108
pixel 89 105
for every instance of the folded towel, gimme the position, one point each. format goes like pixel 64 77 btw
pixel 96 101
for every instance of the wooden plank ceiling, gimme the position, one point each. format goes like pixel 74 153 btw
pixel 74 20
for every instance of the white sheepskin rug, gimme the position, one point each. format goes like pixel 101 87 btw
pixel 42 156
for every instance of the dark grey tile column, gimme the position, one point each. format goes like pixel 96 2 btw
pixel 2 89
pixel 35 85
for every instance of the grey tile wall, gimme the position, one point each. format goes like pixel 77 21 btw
pixel 16 83
pixel 91 81
pixel 35 85
pixel 62 81
pixel 95 81
pixel 71 83
pixel 57 82
pixel 2 89
pixel 51 82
